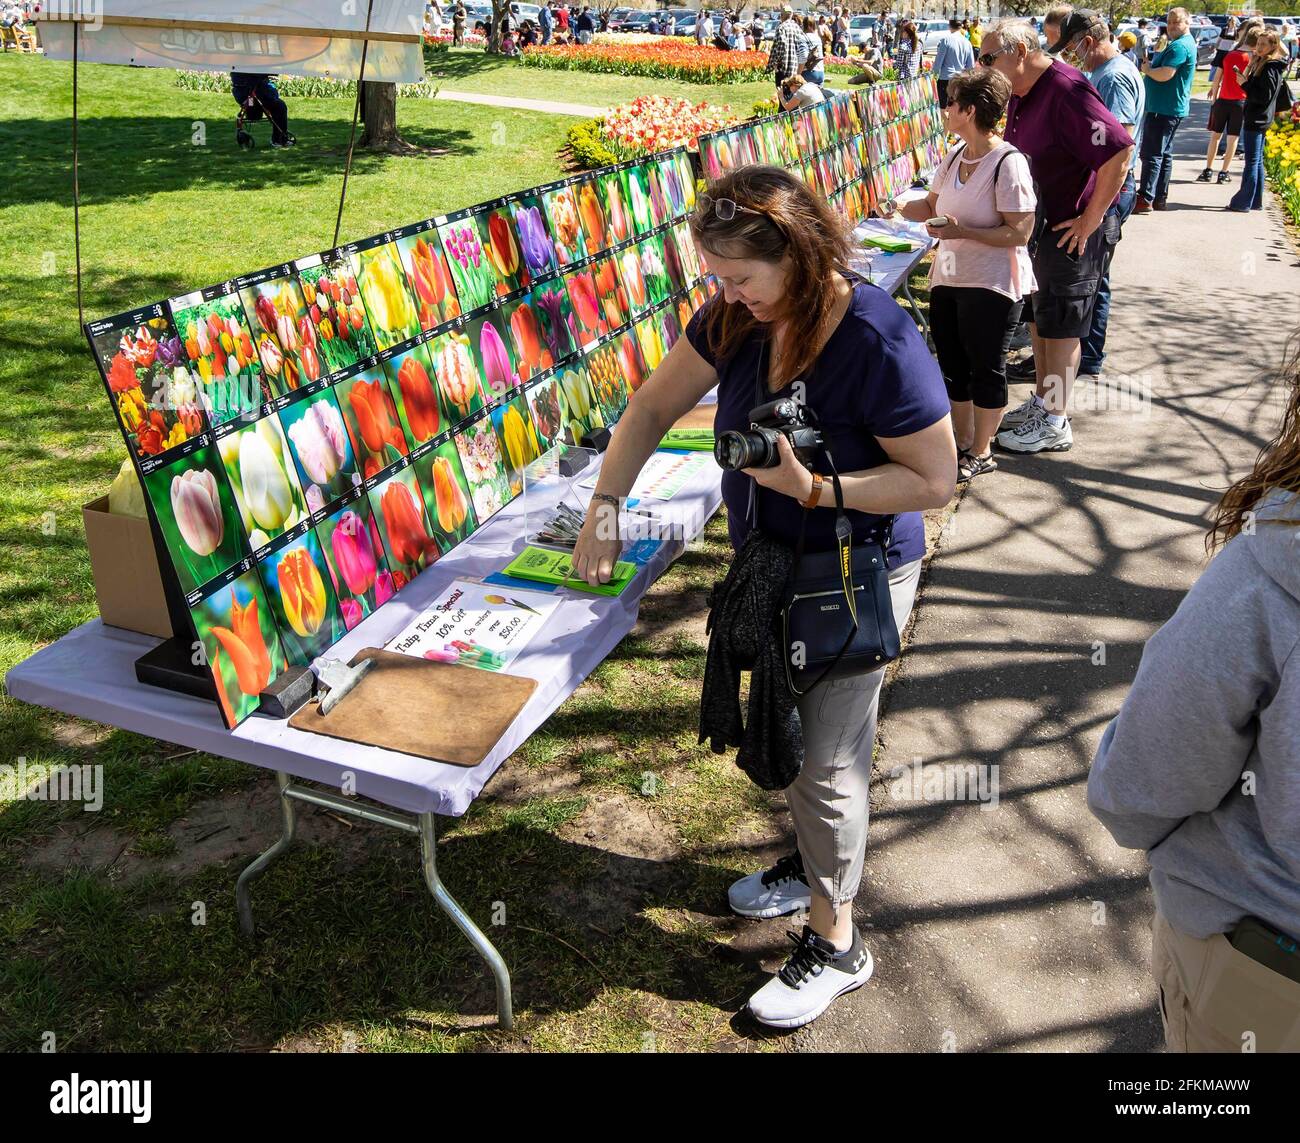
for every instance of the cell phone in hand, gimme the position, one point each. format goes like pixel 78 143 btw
pixel 938 222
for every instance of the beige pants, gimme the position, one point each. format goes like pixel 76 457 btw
pixel 1216 999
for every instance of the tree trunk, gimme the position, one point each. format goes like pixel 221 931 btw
pixel 379 113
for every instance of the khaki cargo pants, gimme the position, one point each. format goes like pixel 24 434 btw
pixel 1216 999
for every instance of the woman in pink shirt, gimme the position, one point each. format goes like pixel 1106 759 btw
pixel 982 200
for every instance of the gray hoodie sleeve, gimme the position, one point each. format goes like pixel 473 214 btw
pixel 1182 737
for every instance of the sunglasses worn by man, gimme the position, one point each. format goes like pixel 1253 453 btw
pixel 988 58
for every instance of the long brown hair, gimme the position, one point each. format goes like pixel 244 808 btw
pixel 1257 61
pixel 783 216
pixel 908 29
pixel 1276 468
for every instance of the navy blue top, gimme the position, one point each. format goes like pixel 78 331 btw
pixel 874 378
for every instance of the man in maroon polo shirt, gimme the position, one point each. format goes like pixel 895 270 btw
pixel 1079 156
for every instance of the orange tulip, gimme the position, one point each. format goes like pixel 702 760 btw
pixel 502 248
pixel 376 416
pixel 408 541
pixel 246 647
pixel 582 296
pixel 448 496
pixel 427 274
pixel 593 218
pixel 532 350
pixel 629 361
pixel 419 399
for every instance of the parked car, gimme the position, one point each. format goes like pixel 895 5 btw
pixel 685 25
pixel 633 21
pixel 1207 40
pixel 931 32
pixel 860 29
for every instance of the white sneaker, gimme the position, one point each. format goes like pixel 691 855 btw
pixel 1037 434
pixel 775 892
pixel 1014 418
pixel 810 980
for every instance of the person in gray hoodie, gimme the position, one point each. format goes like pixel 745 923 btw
pixel 1201 768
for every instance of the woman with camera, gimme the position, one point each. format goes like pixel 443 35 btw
pixel 793 323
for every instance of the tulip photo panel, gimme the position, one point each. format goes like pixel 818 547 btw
pixel 337 325
pixel 531 352
pixel 456 371
pixel 493 356
pixel 276 312
pixel 577 402
pixel 636 192
pixel 503 252
pixel 660 211
pixel 634 285
pixel 607 384
pixel 358 564
pixel 581 287
pixel 321 449
pixel 398 506
pixel 429 275
pixel 480 455
pixel 658 286
pixel 535 245
pixel 219 351
pixel 373 422
pixel 236 627
pixel 613 202
pixel 261 471
pixel 300 591
pixel 559 325
pixel 548 416
pixel 611 295
pixel 446 495
pixel 565 226
pixel 670 179
pixel 465 246
pixel 385 293
pixel 591 213
pixel 156 397
pixel 677 280
pixel 518 440
pixel 410 380
pixel 198 515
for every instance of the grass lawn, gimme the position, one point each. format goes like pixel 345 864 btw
pixel 474 71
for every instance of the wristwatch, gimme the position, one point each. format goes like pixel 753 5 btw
pixel 816 493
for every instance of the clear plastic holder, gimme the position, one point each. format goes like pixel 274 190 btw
pixel 557 489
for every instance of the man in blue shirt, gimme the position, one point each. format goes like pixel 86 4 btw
pixel 1168 74
pixel 1086 37
pixel 953 56
pixel 545 22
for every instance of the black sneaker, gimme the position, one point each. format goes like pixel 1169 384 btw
pixel 1022 370
pixel 1205 176
pixel 1224 177
pixel 810 980
pixel 775 892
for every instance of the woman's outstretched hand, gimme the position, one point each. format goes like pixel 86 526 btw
pixel 598 546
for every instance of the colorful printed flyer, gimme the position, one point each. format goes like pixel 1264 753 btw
pixel 476 625
pixel 548 566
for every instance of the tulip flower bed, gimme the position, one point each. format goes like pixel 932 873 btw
pixel 1282 162
pixel 688 62
pixel 298 86
pixel 644 126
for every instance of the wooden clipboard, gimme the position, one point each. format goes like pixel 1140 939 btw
pixel 440 711
pixel 700 417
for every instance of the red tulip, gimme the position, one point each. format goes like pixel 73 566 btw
pixel 409 543
pixel 376 416
pixel 419 399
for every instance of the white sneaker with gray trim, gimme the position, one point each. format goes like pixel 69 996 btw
pixel 1038 434
pixel 1014 418
pixel 810 980
pixel 775 892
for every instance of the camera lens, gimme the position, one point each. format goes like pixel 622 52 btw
pixel 735 450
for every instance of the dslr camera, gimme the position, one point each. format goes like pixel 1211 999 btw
pixel 756 447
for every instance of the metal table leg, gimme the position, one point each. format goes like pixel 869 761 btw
pixel 448 904
pixel 916 312
pixel 423 825
pixel 289 814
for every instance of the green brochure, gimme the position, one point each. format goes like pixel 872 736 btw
pixel 544 566
pixel 892 245
pixel 700 440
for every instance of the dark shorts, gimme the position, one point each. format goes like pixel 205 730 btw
pixel 1225 116
pixel 1067 287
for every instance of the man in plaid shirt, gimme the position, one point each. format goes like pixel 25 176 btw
pixel 789 48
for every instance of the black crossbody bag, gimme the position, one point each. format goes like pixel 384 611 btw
pixel 838 619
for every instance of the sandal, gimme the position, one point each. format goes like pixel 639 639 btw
pixel 970 466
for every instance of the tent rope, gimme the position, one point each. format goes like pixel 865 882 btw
pixel 356 113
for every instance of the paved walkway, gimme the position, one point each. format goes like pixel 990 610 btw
pixel 1024 927
pixel 582 110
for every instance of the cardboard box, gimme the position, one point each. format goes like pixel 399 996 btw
pixel 128 583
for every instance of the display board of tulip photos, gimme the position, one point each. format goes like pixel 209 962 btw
pixel 312 436
pixel 858 149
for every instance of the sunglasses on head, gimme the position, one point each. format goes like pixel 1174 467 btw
pixel 724 209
